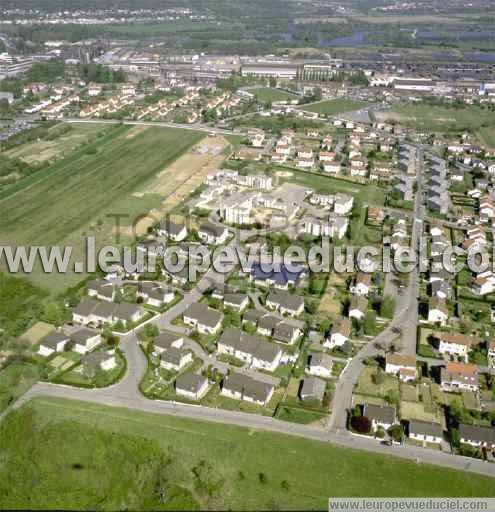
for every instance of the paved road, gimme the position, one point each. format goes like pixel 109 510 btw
pixel 195 127
pixel 405 321
pixel 125 393
pixel 119 396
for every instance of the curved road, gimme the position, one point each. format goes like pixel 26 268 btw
pixel 125 393
pixel 405 319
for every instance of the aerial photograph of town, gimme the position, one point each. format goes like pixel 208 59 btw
pixel 247 255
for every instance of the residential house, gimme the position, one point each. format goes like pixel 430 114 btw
pixel 457 345
pixel 332 167
pixel 213 234
pixel 204 319
pixel 127 313
pixel 376 215
pixel 327 142
pixel 101 289
pixel 402 365
pixel 312 389
pixel 362 284
pixel 243 387
pixel 280 277
pixel 359 166
pixel 425 431
pixel 438 312
pixel 251 349
pixel 152 248
pixel 90 311
pixel 286 303
pixel 237 301
pixel 486 209
pixel 320 364
pixel 483 284
pixel 343 204
pixel 104 360
pixel 441 290
pixel 358 307
pixel 175 359
pixel 53 342
pixel 85 340
pixel 327 156
pixel 166 340
pixel 191 385
pixel 252 316
pixel 305 152
pixel 491 354
pixel 381 173
pixel 341 330
pixel 286 333
pixel 383 416
pixel 477 436
pixel 305 163
pixel 459 377
pixel 175 231
pixel 154 294
pixel 267 324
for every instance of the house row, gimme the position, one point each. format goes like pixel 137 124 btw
pixel 458 377
pixel 251 349
pixel 279 276
pixel 272 326
pixel 82 341
pixel 244 387
pixel 202 318
pixel 334 226
pixel 285 303
pixel 90 311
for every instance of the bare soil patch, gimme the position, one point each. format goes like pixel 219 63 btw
pixel 178 180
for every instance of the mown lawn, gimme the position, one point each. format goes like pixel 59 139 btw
pixel 444 119
pixel 363 194
pixel 74 455
pixel 15 380
pixel 333 107
pixel 269 94
pixel 298 415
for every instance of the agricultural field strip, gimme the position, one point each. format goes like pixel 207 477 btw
pixel 104 178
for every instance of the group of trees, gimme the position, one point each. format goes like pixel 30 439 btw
pixel 363 425
pixel 101 74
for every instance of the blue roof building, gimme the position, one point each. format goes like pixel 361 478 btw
pixel 281 277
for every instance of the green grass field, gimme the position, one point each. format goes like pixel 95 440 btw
pixel 487 136
pixel 15 380
pixel 76 195
pixel 333 107
pixel 443 119
pixel 20 303
pixel 74 455
pixel 363 194
pixel 266 94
